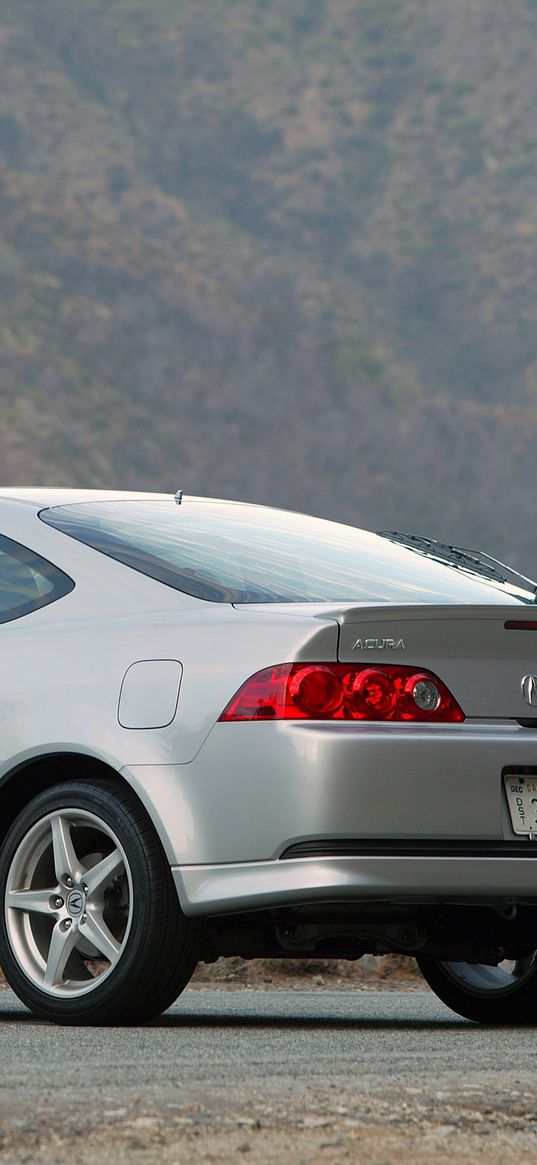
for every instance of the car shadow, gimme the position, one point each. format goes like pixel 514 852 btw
pixel 244 1019
pixel 308 1023
pixel 260 1015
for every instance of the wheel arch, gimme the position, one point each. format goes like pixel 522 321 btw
pixel 144 985
pixel 19 786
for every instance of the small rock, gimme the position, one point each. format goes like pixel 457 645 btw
pixel 444 1130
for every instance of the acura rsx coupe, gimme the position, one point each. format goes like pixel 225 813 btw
pixel 233 730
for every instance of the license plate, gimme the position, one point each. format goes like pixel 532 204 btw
pixel 522 800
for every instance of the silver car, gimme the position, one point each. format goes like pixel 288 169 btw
pixel 230 729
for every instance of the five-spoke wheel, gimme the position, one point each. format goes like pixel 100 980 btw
pixel 68 902
pixel 92 927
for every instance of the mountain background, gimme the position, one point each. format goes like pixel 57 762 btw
pixel 279 250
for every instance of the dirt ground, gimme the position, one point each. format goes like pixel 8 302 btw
pixel 320 1126
pixel 384 973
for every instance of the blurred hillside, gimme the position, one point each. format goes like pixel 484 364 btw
pixel 282 250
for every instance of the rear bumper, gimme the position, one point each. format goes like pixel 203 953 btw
pixel 224 889
pixel 255 790
pixel 272 815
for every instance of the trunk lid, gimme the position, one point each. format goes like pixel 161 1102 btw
pixel 476 651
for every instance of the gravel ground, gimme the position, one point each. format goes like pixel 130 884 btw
pixel 407 1126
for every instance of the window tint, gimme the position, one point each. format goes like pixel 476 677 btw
pixel 27 581
pixel 232 553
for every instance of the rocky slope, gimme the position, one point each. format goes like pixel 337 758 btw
pixel 283 251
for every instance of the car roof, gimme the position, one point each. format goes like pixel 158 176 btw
pixel 42 497
pixel 54 495
pixel 45 497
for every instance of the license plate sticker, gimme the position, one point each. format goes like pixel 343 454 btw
pixel 522 800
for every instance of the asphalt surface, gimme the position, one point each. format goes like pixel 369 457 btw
pixel 214 1038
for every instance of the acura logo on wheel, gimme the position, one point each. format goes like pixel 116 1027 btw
pixel 75 903
pixel 529 690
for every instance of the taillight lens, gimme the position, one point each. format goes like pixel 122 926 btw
pixel 374 693
pixel 339 691
pixel 316 690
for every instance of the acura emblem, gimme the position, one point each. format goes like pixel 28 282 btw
pixel 75 902
pixel 529 690
pixel 379 645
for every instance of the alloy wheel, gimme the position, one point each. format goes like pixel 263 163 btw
pixel 68 902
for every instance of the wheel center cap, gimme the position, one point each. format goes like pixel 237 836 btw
pixel 75 903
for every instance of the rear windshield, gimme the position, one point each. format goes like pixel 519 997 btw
pixel 226 552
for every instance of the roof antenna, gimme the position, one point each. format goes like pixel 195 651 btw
pixel 179 497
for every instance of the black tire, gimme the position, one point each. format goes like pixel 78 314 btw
pixel 506 994
pixel 104 940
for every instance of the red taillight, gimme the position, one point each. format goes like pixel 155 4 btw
pixel 316 690
pixel 373 694
pixel 339 691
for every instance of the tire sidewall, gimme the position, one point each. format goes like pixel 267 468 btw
pixel 105 805
pixel 517 1005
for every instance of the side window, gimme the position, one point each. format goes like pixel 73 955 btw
pixel 27 581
